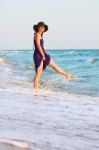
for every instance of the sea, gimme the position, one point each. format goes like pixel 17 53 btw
pixel 63 115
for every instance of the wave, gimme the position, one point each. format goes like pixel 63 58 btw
pixel 92 60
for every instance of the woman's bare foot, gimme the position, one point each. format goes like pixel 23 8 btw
pixel 35 91
pixel 69 75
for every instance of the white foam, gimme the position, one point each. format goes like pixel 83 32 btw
pixel 92 60
pixel 56 118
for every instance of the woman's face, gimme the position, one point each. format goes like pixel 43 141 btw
pixel 41 29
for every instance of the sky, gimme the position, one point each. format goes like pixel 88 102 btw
pixel 72 23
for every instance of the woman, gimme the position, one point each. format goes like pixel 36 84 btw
pixel 40 56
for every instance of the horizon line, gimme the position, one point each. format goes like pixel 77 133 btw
pixel 56 49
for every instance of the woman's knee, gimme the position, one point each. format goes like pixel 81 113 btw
pixel 38 74
pixel 39 70
pixel 52 63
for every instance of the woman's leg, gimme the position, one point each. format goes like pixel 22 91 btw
pixel 37 75
pixel 59 70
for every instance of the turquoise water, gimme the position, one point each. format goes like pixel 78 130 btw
pixel 64 115
pixel 83 63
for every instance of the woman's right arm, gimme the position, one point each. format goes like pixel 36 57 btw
pixel 37 39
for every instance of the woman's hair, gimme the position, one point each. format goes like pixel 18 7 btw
pixel 40 24
pixel 35 28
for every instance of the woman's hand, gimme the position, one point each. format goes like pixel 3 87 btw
pixel 44 58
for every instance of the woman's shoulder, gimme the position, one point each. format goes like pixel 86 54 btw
pixel 37 36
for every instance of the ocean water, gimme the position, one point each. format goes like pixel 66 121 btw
pixel 64 115
pixel 83 63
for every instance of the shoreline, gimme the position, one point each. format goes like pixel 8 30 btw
pixel 51 120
